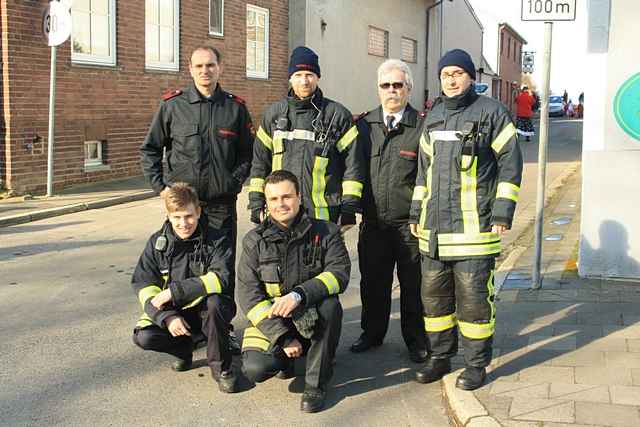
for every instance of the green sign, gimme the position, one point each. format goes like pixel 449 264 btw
pixel 626 107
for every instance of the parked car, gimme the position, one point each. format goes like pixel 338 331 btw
pixel 556 106
pixel 482 88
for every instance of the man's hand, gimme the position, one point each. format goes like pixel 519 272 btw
pixel 293 349
pixel 283 306
pixel 414 230
pixel 178 326
pixel 161 299
pixel 163 193
pixel 500 229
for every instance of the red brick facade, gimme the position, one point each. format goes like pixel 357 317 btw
pixel 509 64
pixel 113 104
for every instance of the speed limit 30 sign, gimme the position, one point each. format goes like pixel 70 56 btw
pixel 56 23
pixel 548 10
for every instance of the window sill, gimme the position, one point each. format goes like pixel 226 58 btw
pixel 96 168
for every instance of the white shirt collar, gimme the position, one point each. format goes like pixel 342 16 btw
pixel 397 116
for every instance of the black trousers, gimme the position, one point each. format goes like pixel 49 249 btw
pixel 212 316
pixel 320 350
pixel 379 251
pixel 224 217
pixel 458 296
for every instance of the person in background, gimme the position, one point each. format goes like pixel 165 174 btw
pixel 524 112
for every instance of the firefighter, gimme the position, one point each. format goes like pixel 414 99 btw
pixel 389 136
pixel 469 173
pixel 314 138
pixel 291 270
pixel 208 137
pixel 182 281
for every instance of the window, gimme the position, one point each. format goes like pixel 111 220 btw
pixel 257 42
pixel 162 33
pixel 93 38
pixel 509 48
pixel 93 158
pixel 216 17
pixel 378 42
pixel 409 50
pixel 501 43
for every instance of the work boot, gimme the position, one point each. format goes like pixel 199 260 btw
pixel 471 378
pixel 312 399
pixel 227 381
pixel 418 355
pixel 287 373
pixel 234 345
pixel 182 365
pixel 364 343
pixel 433 370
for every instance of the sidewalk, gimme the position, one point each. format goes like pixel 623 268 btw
pixel 565 355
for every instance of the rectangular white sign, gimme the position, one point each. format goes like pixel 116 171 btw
pixel 548 10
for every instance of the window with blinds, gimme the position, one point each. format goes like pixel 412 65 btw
pixel 409 50
pixel 378 42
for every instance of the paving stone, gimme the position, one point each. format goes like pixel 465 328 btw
pixel 625 395
pixel 630 319
pixel 602 344
pixel 633 346
pixel 548 374
pixel 558 295
pixel 483 422
pixel 579 357
pixel 542 410
pixel 607 414
pixel 602 318
pixel 552 343
pixel 580 392
pixel 513 423
pixel 506 295
pixel 528 328
pixel 514 361
pixel 602 375
pixel 635 374
pixel 567 425
pixel 622 359
pixel 578 330
pixel 626 332
pixel 520 389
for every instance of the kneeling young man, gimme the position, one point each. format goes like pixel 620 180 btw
pixel 291 270
pixel 182 282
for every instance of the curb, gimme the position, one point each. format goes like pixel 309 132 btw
pixel 77 207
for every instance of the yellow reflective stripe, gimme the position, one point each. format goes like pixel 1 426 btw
pixel 439 324
pixel 144 321
pixel 320 205
pixel 419 192
pixel 273 289
pixel 423 245
pixel 302 134
pixel 469 250
pixel 193 303
pixel 253 338
pixel 148 292
pixel 278 150
pixel 352 188
pixel 259 312
pixel 468 202
pixel 347 139
pixel 476 331
pixel 467 238
pixel 211 283
pixel 257 185
pixel 264 138
pixel 426 147
pixel 330 282
pixel 503 137
pixel 507 190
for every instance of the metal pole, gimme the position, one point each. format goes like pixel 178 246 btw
pixel 542 154
pixel 52 108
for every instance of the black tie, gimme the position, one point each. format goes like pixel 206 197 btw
pixel 390 120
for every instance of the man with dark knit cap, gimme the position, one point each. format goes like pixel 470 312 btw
pixel 315 138
pixel 469 173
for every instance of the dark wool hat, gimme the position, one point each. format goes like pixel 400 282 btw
pixel 303 59
pixel 460 58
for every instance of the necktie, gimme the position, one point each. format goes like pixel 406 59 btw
pixel 390 120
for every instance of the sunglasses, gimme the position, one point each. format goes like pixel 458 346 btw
pixel 395 85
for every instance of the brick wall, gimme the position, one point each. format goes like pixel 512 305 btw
pixel 113 103
pixel 510 66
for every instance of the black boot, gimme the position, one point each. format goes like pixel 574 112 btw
pixel 312 399
pixel 433 370
pixel 287 373
pixel 227 381
pixel 182 365
pixel 471 378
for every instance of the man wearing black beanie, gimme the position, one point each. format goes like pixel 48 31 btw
pixel 313 137
pixel 469 173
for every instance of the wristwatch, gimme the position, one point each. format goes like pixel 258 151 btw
pixel 296 296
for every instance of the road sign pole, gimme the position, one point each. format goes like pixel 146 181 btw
pixel 52 111
pixel 542 154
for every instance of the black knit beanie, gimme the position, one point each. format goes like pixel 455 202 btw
pixel 303 59
pixel 459 58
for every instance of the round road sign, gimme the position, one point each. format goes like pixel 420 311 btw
pixel 626 106
pixel 56 23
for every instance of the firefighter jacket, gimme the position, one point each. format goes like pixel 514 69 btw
pixel 315 139
pixel 392 159
pixel 208 142
pixel 310 258
pixel 191 268
pixel 469 173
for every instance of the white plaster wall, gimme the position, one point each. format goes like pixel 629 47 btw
pixel 610 224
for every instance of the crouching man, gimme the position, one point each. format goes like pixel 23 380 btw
pixel 291 270
pixel 182 283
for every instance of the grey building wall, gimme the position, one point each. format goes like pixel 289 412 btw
pixel 610 224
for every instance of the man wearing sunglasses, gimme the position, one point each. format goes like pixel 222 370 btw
pixel 469 173
pixel 389 136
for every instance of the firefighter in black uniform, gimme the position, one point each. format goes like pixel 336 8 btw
pixel 469 173
pixel 182 282
pixel 389 137
pixel 208 137
pixel 291 270
pixel 314 138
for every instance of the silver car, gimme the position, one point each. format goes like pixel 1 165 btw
pixel 556 106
